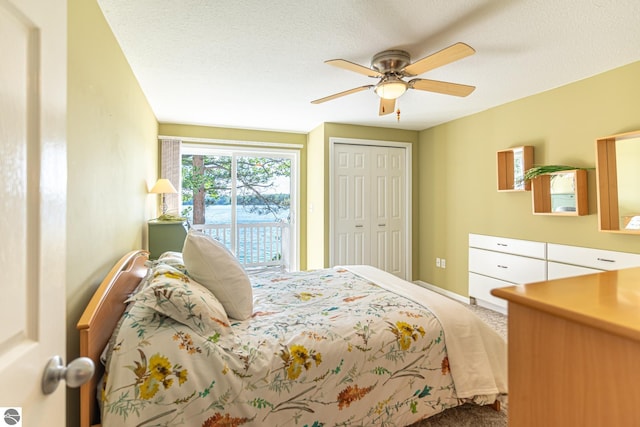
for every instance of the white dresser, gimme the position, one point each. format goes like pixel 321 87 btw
pixel 495 262
pixel 569 261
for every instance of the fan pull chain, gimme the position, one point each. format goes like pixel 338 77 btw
pixel 398 114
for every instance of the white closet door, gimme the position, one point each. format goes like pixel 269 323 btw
pixel 387 209
pixel 351 202
pixel 369 214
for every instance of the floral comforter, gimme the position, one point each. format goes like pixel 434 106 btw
pixel 323 348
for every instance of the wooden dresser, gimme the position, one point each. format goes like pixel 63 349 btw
pixel 574 350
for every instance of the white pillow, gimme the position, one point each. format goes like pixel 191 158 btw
pixel 211 264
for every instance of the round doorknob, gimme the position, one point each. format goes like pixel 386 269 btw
pixel 77 373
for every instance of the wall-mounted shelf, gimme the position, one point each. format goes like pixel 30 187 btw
pixel 618 183
pixel 562 193
pixel 512 164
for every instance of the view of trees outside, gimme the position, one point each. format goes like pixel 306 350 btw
pixel 207 180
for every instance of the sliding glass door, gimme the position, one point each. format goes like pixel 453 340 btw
pixel 246 199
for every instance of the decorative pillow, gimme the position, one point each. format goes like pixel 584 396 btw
pixel 214 266
pixel 173 259
pixel 173 294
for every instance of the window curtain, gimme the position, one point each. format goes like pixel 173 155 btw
pixel 170 169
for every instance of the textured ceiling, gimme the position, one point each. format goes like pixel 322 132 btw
pixel 258 64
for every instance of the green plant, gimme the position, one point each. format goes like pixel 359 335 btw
pixel 541 170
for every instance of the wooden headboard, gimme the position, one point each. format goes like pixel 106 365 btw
pixel 99 320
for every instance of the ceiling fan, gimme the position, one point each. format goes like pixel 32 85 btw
pixel 392 66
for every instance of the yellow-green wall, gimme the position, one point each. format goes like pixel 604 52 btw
pixel 112 157
pixel 315 192
pixel 628 176
pixel 230 134
pixel 457 175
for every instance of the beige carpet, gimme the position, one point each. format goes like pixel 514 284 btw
pixel 473 415
pixel 467 416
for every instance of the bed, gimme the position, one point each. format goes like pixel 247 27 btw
pixel 348 346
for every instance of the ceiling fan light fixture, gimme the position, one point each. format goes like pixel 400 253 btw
pixel 391 89
pixel 392 66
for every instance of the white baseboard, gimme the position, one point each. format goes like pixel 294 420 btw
pixel 486 304
pixel 441 291
pixel 458 297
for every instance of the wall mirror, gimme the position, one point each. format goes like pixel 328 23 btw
pixel 618 179
pixel 512 164
pixel 561 193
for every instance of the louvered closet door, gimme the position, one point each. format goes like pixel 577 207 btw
pixel 352 205
pixel 387 209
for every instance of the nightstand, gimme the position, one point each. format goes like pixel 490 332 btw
pixel 166 236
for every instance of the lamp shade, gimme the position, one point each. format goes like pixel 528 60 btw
pixel 391 88
pixel 163 186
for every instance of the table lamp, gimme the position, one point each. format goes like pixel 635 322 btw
pixel 163 186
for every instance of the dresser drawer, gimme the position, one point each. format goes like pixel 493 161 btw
pixel 511 268
pixel 558 270
pixel 480 289
pixel 592 258
pixel 511 246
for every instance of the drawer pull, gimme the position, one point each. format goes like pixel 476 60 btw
pixel 606 260
pixel 359 226
pixel 381 225
pixel 502 266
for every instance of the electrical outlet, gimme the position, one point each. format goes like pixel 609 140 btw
pixel 438 262
pixel 443 263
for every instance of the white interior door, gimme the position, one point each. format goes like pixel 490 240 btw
pixel 33 202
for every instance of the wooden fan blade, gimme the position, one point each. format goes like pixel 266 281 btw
pixel 351 66
pixel 445 88
pixel 438 59
pixel 339 94
pixel 387 106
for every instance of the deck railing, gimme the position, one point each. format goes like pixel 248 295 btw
pixel 254 244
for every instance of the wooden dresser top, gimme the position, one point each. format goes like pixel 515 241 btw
pixel 609 301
